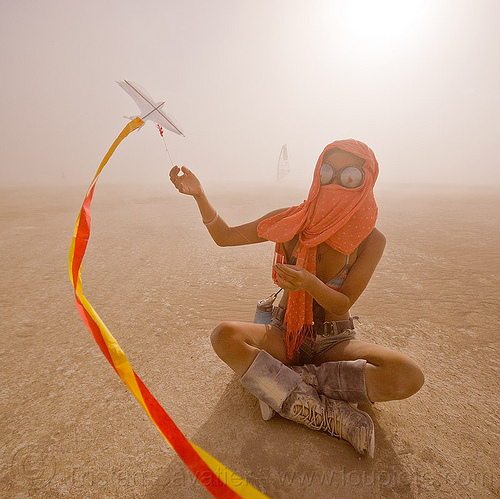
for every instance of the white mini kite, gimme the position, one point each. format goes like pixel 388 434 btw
pixel 150 110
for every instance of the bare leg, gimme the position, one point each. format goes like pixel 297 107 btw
pixel 238 343
pixel 390 375
pixel 257 353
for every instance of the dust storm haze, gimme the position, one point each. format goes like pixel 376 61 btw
pixel 417 81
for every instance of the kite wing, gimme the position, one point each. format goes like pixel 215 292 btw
pixel 150 110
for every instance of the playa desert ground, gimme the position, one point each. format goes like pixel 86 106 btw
pixel 70 428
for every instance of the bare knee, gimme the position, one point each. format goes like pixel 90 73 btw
pixel 225 337
pixel 233 345
pixel 393 379
pixel 410 379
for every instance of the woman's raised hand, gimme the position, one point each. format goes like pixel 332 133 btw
pixel 187 183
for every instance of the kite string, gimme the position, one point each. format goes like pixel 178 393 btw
pixel 160 129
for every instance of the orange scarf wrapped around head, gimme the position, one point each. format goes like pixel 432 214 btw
pixel 341 217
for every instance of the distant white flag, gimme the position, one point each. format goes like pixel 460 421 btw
pixel 283 166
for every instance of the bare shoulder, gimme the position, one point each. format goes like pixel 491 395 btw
pixel 374 243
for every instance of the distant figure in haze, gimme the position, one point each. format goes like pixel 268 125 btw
pixel 306 365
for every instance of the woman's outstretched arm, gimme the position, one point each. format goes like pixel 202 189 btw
pixel 221 232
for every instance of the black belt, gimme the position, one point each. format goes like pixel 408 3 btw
pixel 320 328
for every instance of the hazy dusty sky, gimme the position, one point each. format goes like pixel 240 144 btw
pixel 417 81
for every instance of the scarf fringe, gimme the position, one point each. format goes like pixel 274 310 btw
pixel 294 339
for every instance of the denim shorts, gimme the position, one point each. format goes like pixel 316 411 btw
pixel 311 349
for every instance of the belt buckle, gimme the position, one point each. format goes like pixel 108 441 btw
pixel 329 329
pixel 332 328
pixel 326 330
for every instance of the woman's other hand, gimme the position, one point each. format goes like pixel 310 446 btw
pixel 187 183
pixel 293 277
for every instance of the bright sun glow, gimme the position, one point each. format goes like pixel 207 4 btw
pixel 380 25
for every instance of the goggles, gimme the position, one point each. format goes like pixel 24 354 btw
pixel 350 176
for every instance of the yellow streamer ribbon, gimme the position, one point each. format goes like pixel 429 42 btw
pixel 220 481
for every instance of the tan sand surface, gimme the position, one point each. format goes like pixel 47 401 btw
pixel 70 428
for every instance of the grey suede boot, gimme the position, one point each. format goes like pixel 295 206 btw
pixel 341 380
pixel 283 390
